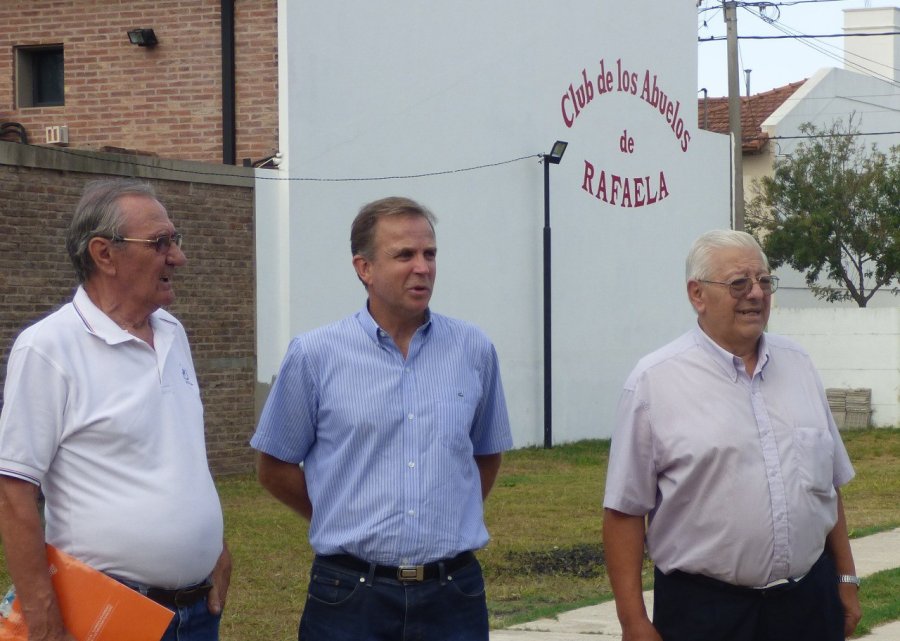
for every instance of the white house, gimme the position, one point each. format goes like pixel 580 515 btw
pixel 453 104
pixel 868 89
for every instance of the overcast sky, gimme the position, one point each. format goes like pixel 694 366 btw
pixel 774 63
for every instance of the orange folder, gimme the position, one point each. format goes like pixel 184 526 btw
pixel 94 606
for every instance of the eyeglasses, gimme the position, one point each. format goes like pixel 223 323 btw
pixel 740 287
pixel 162 244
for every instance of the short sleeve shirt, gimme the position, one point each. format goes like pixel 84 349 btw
pixel 388 443
pixel 112 430
pixel 736 473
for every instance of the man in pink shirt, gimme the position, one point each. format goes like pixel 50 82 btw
pixel 726 460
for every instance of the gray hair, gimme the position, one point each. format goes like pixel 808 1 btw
pixel 698 265
pixel 98 214
pixel 362 231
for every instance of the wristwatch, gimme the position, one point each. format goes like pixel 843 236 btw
pixel 848 578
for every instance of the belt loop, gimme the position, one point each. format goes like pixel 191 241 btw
pixel 370 577
pixel 442 573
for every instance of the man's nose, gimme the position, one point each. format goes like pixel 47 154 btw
pixel 175 256
pixel 756 290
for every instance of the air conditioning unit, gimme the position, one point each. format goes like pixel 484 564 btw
pixel 57 135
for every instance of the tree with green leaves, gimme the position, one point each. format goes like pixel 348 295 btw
pixel 832 211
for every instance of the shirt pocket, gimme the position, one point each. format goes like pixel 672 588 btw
pixel 454 416
pixel 455 423
pixel 814 456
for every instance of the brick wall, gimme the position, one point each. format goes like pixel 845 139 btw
pixel 165 100
pixel 215 289
pixel 256 78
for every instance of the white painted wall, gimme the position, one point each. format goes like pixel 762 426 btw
pixel 399 88
pixel 851 348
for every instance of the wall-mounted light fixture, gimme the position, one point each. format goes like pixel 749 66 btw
pixel 142 37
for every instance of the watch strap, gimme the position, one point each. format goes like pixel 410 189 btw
pixel 848 578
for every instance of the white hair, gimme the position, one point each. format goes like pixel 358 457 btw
pixel 698 265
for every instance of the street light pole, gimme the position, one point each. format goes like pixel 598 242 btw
pixel 553 158
pixel 548 394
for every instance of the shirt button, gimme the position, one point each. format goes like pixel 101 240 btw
pixel 411 464
pixel 411 416
pixel 412 512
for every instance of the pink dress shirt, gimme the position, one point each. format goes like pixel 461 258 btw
pixel 737 474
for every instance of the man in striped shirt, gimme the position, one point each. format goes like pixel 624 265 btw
pixel 398 418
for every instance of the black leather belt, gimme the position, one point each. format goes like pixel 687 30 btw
pixel 183 597
pixel 774 587
pixel 405 573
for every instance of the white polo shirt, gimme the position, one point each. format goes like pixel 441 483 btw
pixel 112 430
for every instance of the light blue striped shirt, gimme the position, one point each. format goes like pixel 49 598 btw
pixel 387 444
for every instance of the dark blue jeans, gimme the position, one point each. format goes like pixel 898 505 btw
pixel 687 609
pixel 193 623
pixel 343 605
pixel 190 623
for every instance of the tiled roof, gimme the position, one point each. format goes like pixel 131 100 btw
pixel 754 111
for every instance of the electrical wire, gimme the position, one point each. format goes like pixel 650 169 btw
pixel 830 51
pixel 120 161
pixel 803 36
pixel 836 135
pixel 812 41
pixel 767 4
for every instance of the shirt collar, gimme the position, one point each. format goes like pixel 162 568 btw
pixel 99 324
pixel 374 331
pixel 731 365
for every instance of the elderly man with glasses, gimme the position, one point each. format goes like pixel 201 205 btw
pixel 102 413
pixel 726 460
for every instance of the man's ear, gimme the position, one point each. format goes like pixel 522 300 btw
pixel 363 269
pixel 101 252
pixel 696 295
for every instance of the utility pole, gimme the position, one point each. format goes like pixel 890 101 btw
pixel 734 115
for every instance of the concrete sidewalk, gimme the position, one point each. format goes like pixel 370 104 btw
pixel 599 623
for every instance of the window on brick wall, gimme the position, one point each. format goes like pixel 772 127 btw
pixel 40 77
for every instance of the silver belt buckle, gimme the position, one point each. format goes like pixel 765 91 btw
pixel 411 573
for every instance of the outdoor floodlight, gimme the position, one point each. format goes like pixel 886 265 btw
pixel 142 37
pixel 556 154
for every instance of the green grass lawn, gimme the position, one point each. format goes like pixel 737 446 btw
pixel 545 554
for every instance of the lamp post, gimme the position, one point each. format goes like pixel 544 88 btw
pixel 553 158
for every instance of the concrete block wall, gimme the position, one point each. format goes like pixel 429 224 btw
pixel 165 100
pixel 851 348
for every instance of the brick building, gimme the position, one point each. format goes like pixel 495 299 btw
pixel 72 64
